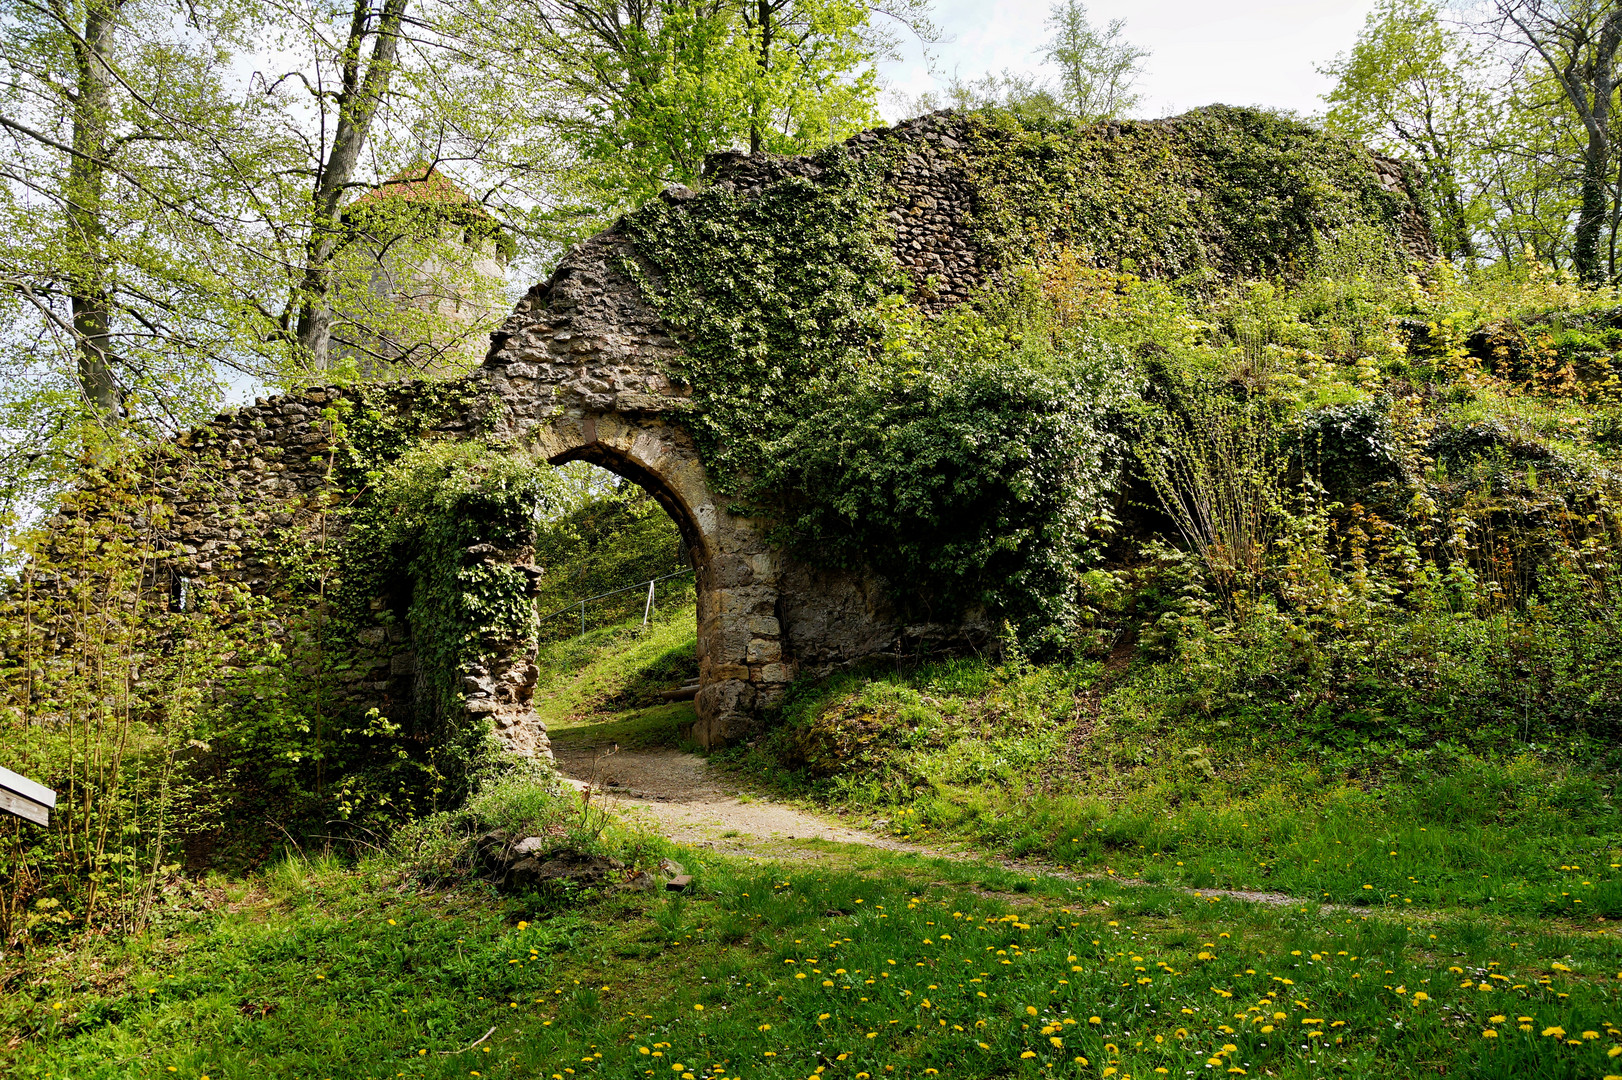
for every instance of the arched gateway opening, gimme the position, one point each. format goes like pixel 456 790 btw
pixel 741 658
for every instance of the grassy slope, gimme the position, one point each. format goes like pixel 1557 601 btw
pixel 609 681
pixel 1047 764
pixel 866 964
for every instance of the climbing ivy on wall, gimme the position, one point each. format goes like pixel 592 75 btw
pixel 434 539
pixel 401 549
pixel 1214 195
pixel 767 293
pixel 966 457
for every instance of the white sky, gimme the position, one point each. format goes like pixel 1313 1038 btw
pixel 1232 52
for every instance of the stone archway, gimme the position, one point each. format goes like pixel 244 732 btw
pixel 577 372
pixel 740 650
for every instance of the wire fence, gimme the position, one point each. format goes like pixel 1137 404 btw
pixel 647 608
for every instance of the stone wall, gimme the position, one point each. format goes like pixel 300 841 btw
pixel 577 373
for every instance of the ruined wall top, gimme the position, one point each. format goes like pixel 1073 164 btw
pixel 590 332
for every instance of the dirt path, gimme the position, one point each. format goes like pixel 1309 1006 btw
pixel 680 796
pixel 685 800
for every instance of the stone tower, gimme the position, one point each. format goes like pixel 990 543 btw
pixel 420 278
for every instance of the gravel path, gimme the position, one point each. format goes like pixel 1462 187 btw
pixel 685 800
pixel 681 797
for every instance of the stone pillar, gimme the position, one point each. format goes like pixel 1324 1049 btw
pixel 499 681
pixel 502 688
pixel 742 666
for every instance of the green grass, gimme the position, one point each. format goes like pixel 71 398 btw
pixel 657 725
pixel 886 965
pixel 963 751
pixel 618 669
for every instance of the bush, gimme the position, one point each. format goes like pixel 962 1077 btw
pixel 450 846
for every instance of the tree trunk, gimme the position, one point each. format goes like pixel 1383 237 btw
pixel 358 101
pixel 1462 244
pixel 89 290
pixel 1579 43
pixel 1591 216
pixel 763 60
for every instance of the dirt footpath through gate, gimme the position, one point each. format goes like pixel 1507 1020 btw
pixel 678 795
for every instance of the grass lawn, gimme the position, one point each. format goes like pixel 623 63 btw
pixel 1138 787
pixel 1460 923
pixel 875 965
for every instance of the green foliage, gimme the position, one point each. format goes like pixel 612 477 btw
pixel 966 457
pixel 356 966
pixel 1097 67
pixel 970 466
pixel 603 535
pixel 1218 193
pixel 445 517
pixel 448 847
pixel 121 705
pixel 1408 87
pixel 630 111
pixel 767 294
pixel 1217 467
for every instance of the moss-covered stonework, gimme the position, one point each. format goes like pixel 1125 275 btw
pixel 666 348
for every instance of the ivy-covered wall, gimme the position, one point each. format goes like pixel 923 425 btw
pixel 824 368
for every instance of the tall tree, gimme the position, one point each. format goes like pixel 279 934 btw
pixel 1097 66
pixel 640 92
pixel 115 232
pixel 1026 96
pixel 1407 86
pixel 365 61
pixel 1577 41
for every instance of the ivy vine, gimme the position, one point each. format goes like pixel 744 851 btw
pixel 967 458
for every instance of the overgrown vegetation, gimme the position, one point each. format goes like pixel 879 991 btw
pixel 176 725
pixel 1306 556
pixel 970 457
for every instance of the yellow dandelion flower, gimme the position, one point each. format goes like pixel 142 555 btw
pixel 1489 1033
pixel 1027 1054
pixel 1557 1032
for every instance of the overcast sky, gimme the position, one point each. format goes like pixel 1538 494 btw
pixel 1235 52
